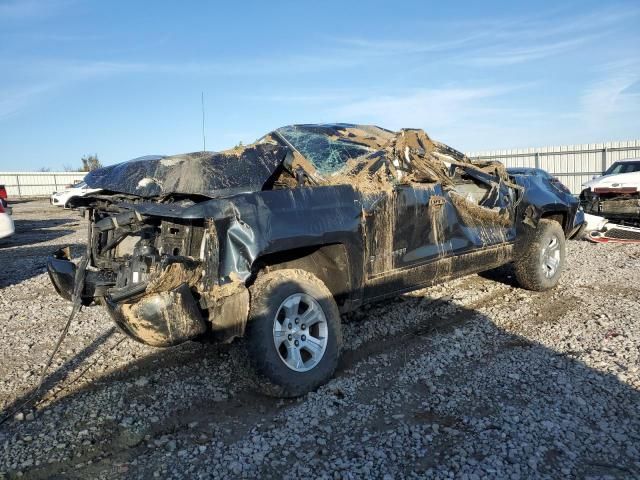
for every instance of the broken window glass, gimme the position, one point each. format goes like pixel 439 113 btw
pixel 322 146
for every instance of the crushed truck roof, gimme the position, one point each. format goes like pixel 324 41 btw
pixel 327 153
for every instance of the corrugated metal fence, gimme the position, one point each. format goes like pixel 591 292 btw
pixel 572 164
pixel 37 184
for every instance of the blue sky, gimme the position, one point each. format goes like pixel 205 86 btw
pixel 123 79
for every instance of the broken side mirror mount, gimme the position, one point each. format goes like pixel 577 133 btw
pixel 300 176
pixel 287 163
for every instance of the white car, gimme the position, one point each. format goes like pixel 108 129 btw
pixel 62 198
pixel 616 194
pixel 6 223
pixel 623 174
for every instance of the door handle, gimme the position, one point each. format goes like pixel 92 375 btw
pixel 436 201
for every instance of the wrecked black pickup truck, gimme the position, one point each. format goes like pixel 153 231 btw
pixel 272 241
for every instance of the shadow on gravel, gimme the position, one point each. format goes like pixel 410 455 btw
pixel 14 201
pixel 55 379
pixel 36 231
pixel 22 263
pixel 512 377
pixel 504 274
pixel 29 238
pixel 35 225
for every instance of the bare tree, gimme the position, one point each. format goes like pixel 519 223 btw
pixel 44 169
pixel 90 163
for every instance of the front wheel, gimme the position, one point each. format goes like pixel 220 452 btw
pixel 540 256
pixel 293 336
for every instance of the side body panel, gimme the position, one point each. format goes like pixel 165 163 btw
pixel 540 199
pixel 394 241
pixel 253 226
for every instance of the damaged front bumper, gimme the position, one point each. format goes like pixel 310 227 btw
pixel 63 273
pixel 159 319
pixel 164 311
pixel 618 205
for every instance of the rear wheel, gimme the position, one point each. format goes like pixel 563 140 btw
pixel 293 336
pixel 540 256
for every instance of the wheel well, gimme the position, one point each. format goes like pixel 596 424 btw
pixel 559 217
pixel 327 262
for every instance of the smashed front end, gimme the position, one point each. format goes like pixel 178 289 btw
pixel 619 204
pixel 157 272
pixel 157 277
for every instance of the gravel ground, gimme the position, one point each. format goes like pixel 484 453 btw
pixel 475 378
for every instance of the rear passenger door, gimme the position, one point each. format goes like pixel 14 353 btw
pixel 433 221
pixel 483 210
pixel 419 233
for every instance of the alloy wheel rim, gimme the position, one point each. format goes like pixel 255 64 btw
pixel 551 257
pixel 300 332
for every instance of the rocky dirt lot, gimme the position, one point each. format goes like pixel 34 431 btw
pixel 475 378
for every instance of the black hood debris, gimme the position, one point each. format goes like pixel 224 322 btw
pixel 209 174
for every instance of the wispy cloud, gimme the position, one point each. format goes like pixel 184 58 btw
pixel 41 36
pixel 26 9
pixel 432 108
pixel 509 56
pixel 63 74
pixel 556 23
pixel 313 98
pixel 13 100
pixel 379 47
pixel 503 41
pixel 59 75
pixel 519 41
pixel 19 9
pixel 615 93
pixel 483 44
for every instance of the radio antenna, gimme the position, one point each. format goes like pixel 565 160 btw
pixel 204 140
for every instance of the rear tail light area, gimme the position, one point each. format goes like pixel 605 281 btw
pixel 3 192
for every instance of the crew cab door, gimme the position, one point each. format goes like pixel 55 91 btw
pixel 406 229
pixel 422 227
pixel 424 233
pixel 417 223
pixel 483 210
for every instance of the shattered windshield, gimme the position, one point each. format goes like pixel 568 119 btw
pixel 329 147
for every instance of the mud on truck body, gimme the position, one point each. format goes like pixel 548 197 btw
pixel 271 242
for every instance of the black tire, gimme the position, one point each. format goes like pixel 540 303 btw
pixel 532 262
pixel 268 369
